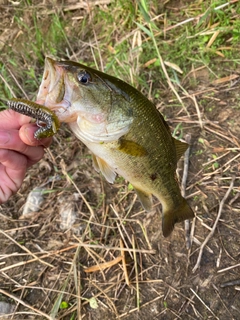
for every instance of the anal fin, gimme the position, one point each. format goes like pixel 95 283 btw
pixel 145 199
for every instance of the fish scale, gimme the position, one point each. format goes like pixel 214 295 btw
pixel 124 130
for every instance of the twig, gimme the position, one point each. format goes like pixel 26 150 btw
pixel 81 5
pixel 124 263
pixel 104 293
pixel 197 18
pixel 215 224
pixel 186 164
pixel 229 268
pixel 8 86
pixel 183 188
pixel 77 282
pixel 197 109
pixel 222 135
pixel 142 306
pixel 17 83
pixel 96 246
pixel 230 283
pixel 167 76
pixel 124 229
pixel 25 304
pixel 104 265
pixel 69 179
pixel 25 249
pixel 136 273
pixel 203 302
pixel 59 298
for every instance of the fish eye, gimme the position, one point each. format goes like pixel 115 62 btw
pixel 84 77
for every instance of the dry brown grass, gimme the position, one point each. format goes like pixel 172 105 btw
pixel 91 252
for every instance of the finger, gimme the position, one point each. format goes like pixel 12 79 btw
pixel 12 172
pixel 10 119
pixel 11 140
pixel 13 160
pixel 26 134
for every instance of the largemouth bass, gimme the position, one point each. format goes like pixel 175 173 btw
pixel 124 131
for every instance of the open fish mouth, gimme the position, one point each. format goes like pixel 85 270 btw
pixel 53 92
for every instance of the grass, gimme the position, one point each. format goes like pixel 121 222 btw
pixel 172 53
pixel 134 40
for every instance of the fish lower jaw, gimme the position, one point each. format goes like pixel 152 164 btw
pixel 61 109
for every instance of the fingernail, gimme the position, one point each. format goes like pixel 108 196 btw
pixel 29 135
pixel 4 137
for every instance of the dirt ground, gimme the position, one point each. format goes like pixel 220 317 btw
pixel 83 219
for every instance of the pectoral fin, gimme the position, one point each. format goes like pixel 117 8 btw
pixel 95 163
pixel 132 148
pixel 102 166
pixel 145 199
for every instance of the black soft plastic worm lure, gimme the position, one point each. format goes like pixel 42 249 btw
pixel 38 112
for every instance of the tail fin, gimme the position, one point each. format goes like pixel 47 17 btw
pixel 170 217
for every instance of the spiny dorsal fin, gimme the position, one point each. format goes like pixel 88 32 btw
pixel 181 147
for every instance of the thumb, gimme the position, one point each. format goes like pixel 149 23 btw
pixel 26 134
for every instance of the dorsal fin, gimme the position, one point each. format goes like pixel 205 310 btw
pixel 181 147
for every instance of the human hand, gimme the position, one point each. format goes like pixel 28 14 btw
pixel 18 151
